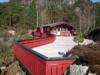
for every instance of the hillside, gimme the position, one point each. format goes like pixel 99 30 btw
pixel 18 18
pixel 97 6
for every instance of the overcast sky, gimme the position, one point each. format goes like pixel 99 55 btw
pixel 8 0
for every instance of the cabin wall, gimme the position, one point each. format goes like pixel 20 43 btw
pixel 59 67
pixel 38 66
pixel 34 64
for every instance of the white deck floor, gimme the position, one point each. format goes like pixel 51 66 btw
pixel 61 44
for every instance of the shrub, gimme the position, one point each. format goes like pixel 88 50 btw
pixel 79 38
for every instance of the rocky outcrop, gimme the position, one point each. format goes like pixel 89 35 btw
pixel 89 55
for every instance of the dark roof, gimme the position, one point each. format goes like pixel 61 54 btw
pixel 61 24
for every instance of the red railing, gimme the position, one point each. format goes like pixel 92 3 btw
pixel 38 42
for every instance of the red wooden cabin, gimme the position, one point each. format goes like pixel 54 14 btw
pixel 64 29
pixel 38 64
pixel 42 56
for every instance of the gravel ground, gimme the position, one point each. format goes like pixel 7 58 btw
pixel 13 69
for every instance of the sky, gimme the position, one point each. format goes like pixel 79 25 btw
pixel 96 0
pixel 8 0
pixel 4 1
